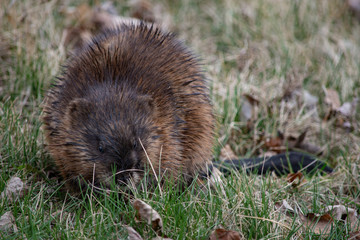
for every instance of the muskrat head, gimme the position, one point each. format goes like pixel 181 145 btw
pixel 109 132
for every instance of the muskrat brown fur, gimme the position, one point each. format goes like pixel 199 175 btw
pixel 135 90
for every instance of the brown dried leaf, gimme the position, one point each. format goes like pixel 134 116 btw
pixel 76 38
pixel 222 234
pixel 98 19
pixel 295 179
pixel 281 143
pixel 226 153
pixel 12 16
pixel 142 9
pixel 275 144
pixel 82 14
pixel 132 234
pixel 15 188
pixel 319 224
pixel 332 99
pixel 101 20
pixel 90 21
pixel 340 212
pixel 149 215
pixel 7 222
pixel 299 143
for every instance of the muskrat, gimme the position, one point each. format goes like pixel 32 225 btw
pixel 134 97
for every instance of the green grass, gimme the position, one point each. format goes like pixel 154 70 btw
pixel 313 44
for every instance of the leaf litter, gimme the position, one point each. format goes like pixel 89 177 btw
pixel 15 189
pixel 223 234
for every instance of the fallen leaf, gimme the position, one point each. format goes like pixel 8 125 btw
pixel 82 14
pixel 89 22
pixel 142 9
pixel 310 103
pixel 296 143
pixel 285 207
pixel 332 99
pixel 7 222
pixel 149 215
pixel 246 111
pixel 275 144
pixel 15 188
pixel 226 153
pixel 76 38
pixel 295 179
pixel 222 234
pixel 281 143
pixel 319 224
pixel 340 212
pixel 346 109
pixel 309 100
pixel 249 108
pixel 344 114
pixel 132 234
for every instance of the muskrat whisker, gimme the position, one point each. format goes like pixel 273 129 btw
pixel 151 165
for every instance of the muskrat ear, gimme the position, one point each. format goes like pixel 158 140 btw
pixel 77 110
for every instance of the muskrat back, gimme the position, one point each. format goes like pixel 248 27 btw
pixel 134 95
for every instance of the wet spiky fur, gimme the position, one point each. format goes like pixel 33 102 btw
pixel 132 88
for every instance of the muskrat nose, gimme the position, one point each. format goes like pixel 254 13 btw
pixel 122 177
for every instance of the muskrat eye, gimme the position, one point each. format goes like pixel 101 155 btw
pixel 135 144
pixel 101 147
